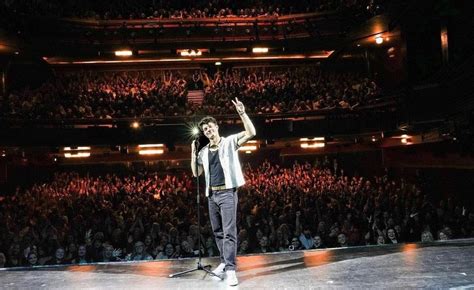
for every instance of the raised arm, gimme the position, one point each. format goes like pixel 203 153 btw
pixel 249 132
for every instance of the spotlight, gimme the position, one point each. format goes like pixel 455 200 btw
pixel 195 131
pixel 218 63
pixel 135 125
pixel 379 40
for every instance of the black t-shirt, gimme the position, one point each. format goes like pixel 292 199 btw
pixel 215 169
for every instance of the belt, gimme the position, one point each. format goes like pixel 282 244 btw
pixel 218 187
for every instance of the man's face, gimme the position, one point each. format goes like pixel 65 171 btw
pixel 16 249
pixel 169 249
pixel 32 259
pixel 380 240
pixel 108 251
pixel 72 248
pixel 210 130
pixel 139 247
pixel 264 241
pixel 321 226
pixel 186 247
pixel 82 251
pixel 317 241
pixel 443 236
pixel 307 233
pixel 244 245
pixel 426 237
pixel 391 234
pixel 341 238
pixel 59 253
pixel 148 240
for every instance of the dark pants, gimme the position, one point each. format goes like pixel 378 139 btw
pixel 223 215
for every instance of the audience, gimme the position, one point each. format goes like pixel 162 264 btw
pixel 146 9
pixel 144 94
pixel 147 216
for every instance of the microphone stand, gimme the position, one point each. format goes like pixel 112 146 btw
pixel 199 266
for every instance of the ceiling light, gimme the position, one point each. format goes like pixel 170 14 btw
pixel 77 155
pixel 260 50
pixel 151 151
pixel 150 145
pixel 313 145
pixel 76 148
pixel 123 53
pixel 248 148
pixel 190 52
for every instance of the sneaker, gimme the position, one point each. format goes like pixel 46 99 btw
pixel 232 278
pixel 219 272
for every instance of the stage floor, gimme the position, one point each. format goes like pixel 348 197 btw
pixel 435 265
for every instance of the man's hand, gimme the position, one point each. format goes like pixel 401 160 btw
pixel 193 147
pixel 239 106
pixel 116 253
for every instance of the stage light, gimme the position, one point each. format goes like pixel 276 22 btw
pixel 123 53
pixel 406 141
pixel 190 52
pixel 260 50
pixel 150 145
pixel 250 146
pixel 151 152
pixel 374 139
pixel 135 125
pixel 77 152
pixel 76 148
pixel 218 63
pixel 316 142
pixel 379 39
pixel 77 155
pixel 151 149
pixel 195 131
pixel 312 139
pixel 313 145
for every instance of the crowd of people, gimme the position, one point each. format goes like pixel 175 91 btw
pixel 147 9
pixel 290 90
pixel 141 94
pixel 76 218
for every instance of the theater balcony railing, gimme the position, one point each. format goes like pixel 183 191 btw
pixel 378 117
pixel 382 105
pixel 229 28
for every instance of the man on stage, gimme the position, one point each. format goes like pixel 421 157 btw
pixel 223 174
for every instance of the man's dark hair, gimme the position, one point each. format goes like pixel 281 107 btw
pixel 206 120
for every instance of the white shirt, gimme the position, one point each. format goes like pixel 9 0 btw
pixel 229 158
